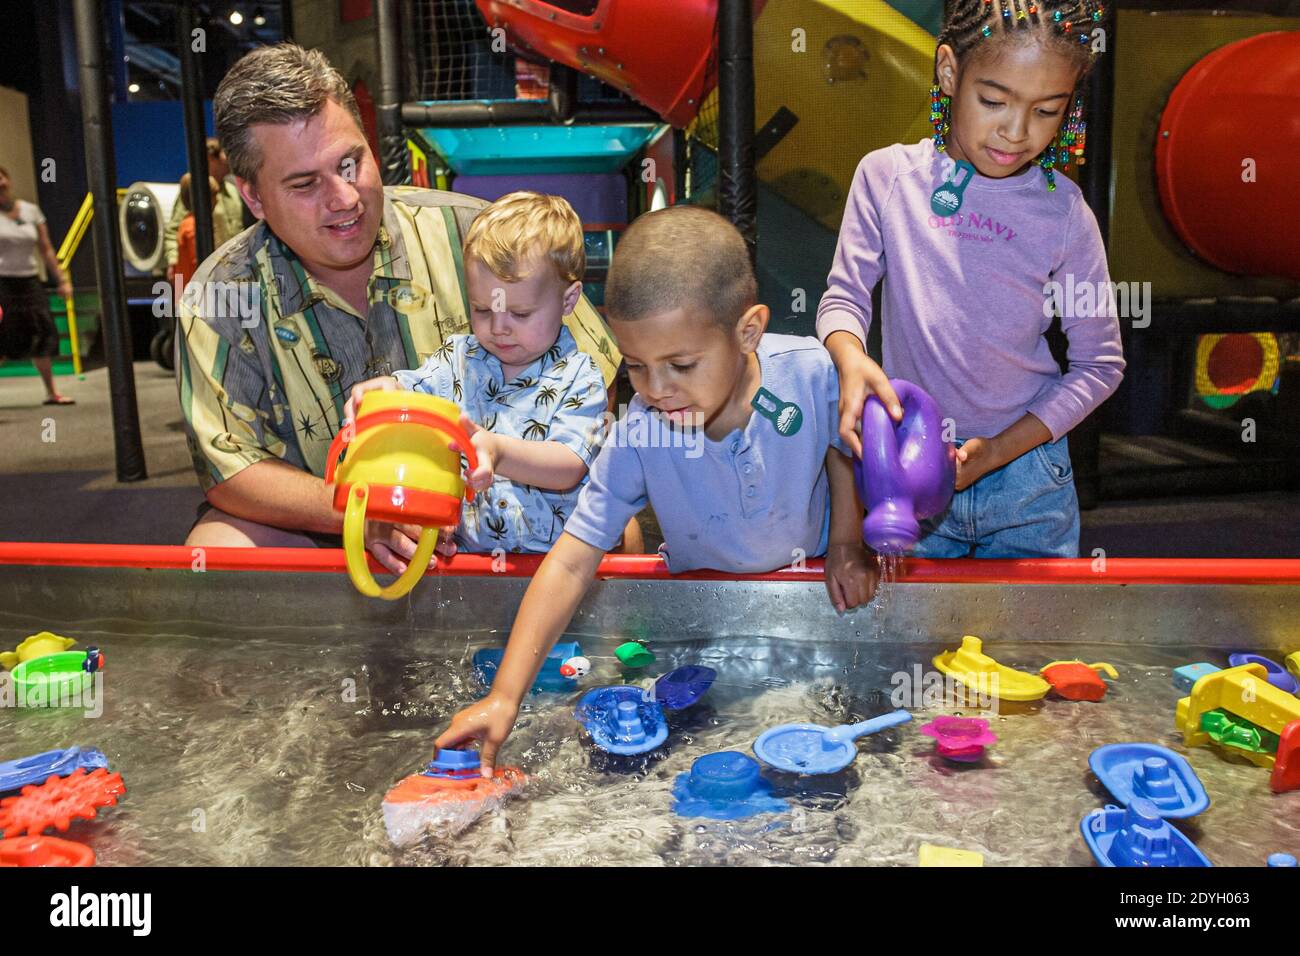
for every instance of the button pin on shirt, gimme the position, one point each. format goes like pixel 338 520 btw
pixel 947 199
pixel 786 416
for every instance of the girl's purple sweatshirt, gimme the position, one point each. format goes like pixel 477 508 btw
pixel 968 296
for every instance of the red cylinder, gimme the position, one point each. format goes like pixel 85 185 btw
pixel 1228 157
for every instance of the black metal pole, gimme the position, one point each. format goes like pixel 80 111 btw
pixel 1094 175
pixel 737 189
pixel 101 174
pixel 196 138
pixel 394 164
pixel 286 20
pixel 1094 182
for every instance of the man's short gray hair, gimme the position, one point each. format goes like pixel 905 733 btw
pixel 283 83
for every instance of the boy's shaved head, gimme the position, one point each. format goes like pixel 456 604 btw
pixel 681 257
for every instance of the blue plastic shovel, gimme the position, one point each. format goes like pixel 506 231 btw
pixel 812 748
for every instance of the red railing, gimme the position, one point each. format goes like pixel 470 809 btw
pixel 1031 571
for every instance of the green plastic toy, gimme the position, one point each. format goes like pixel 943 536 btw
pixel 46 678
pixel 1229 731
pixel 633 654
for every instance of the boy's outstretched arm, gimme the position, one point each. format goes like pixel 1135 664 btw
pixel 545 612
pixel 851 572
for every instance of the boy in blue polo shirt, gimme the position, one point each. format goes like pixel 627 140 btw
pixel 767 484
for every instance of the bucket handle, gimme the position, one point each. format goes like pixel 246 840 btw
pixel 354 549
pixel 415 416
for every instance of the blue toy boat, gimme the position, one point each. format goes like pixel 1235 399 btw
pixel 622 720
pixel 681 688
pixel 16 774
pixel 1141 770
pixel 724 786
pixel 549 679
pixel 1137 835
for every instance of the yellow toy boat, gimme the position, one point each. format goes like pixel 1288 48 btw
pixel 982 674
pixel 38 645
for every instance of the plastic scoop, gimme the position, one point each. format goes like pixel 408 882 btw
pixel 16 774
pixel 812 748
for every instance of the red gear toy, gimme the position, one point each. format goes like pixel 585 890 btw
pixel 58 801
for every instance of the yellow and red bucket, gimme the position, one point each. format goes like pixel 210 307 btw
pixel 398 466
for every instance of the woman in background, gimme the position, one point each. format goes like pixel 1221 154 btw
pixel 26 328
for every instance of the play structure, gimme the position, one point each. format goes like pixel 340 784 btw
pixel 620 103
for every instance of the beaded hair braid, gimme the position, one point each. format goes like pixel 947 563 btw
pixel 1067 24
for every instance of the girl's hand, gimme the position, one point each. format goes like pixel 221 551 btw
pixel 851 576
pixel 65 289
pixel 489 721
pixel 975 459
pixel 860 378
pixel 386 383
pixel 484 442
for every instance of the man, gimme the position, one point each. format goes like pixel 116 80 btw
pixel 341 281
pixel 227 214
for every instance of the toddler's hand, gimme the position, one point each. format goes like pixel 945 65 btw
pixel 851 575
pixel 860 377
pixel 481 478
pixel 385 383
pixel 975 459
pixel 489 721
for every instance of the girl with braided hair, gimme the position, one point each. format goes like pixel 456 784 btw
pixel 969 230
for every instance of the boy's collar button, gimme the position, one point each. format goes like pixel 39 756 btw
pixel 735 445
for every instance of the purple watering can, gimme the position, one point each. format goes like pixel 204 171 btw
pixel 907 470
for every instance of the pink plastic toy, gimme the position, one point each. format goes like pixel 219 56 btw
pixel 960 738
